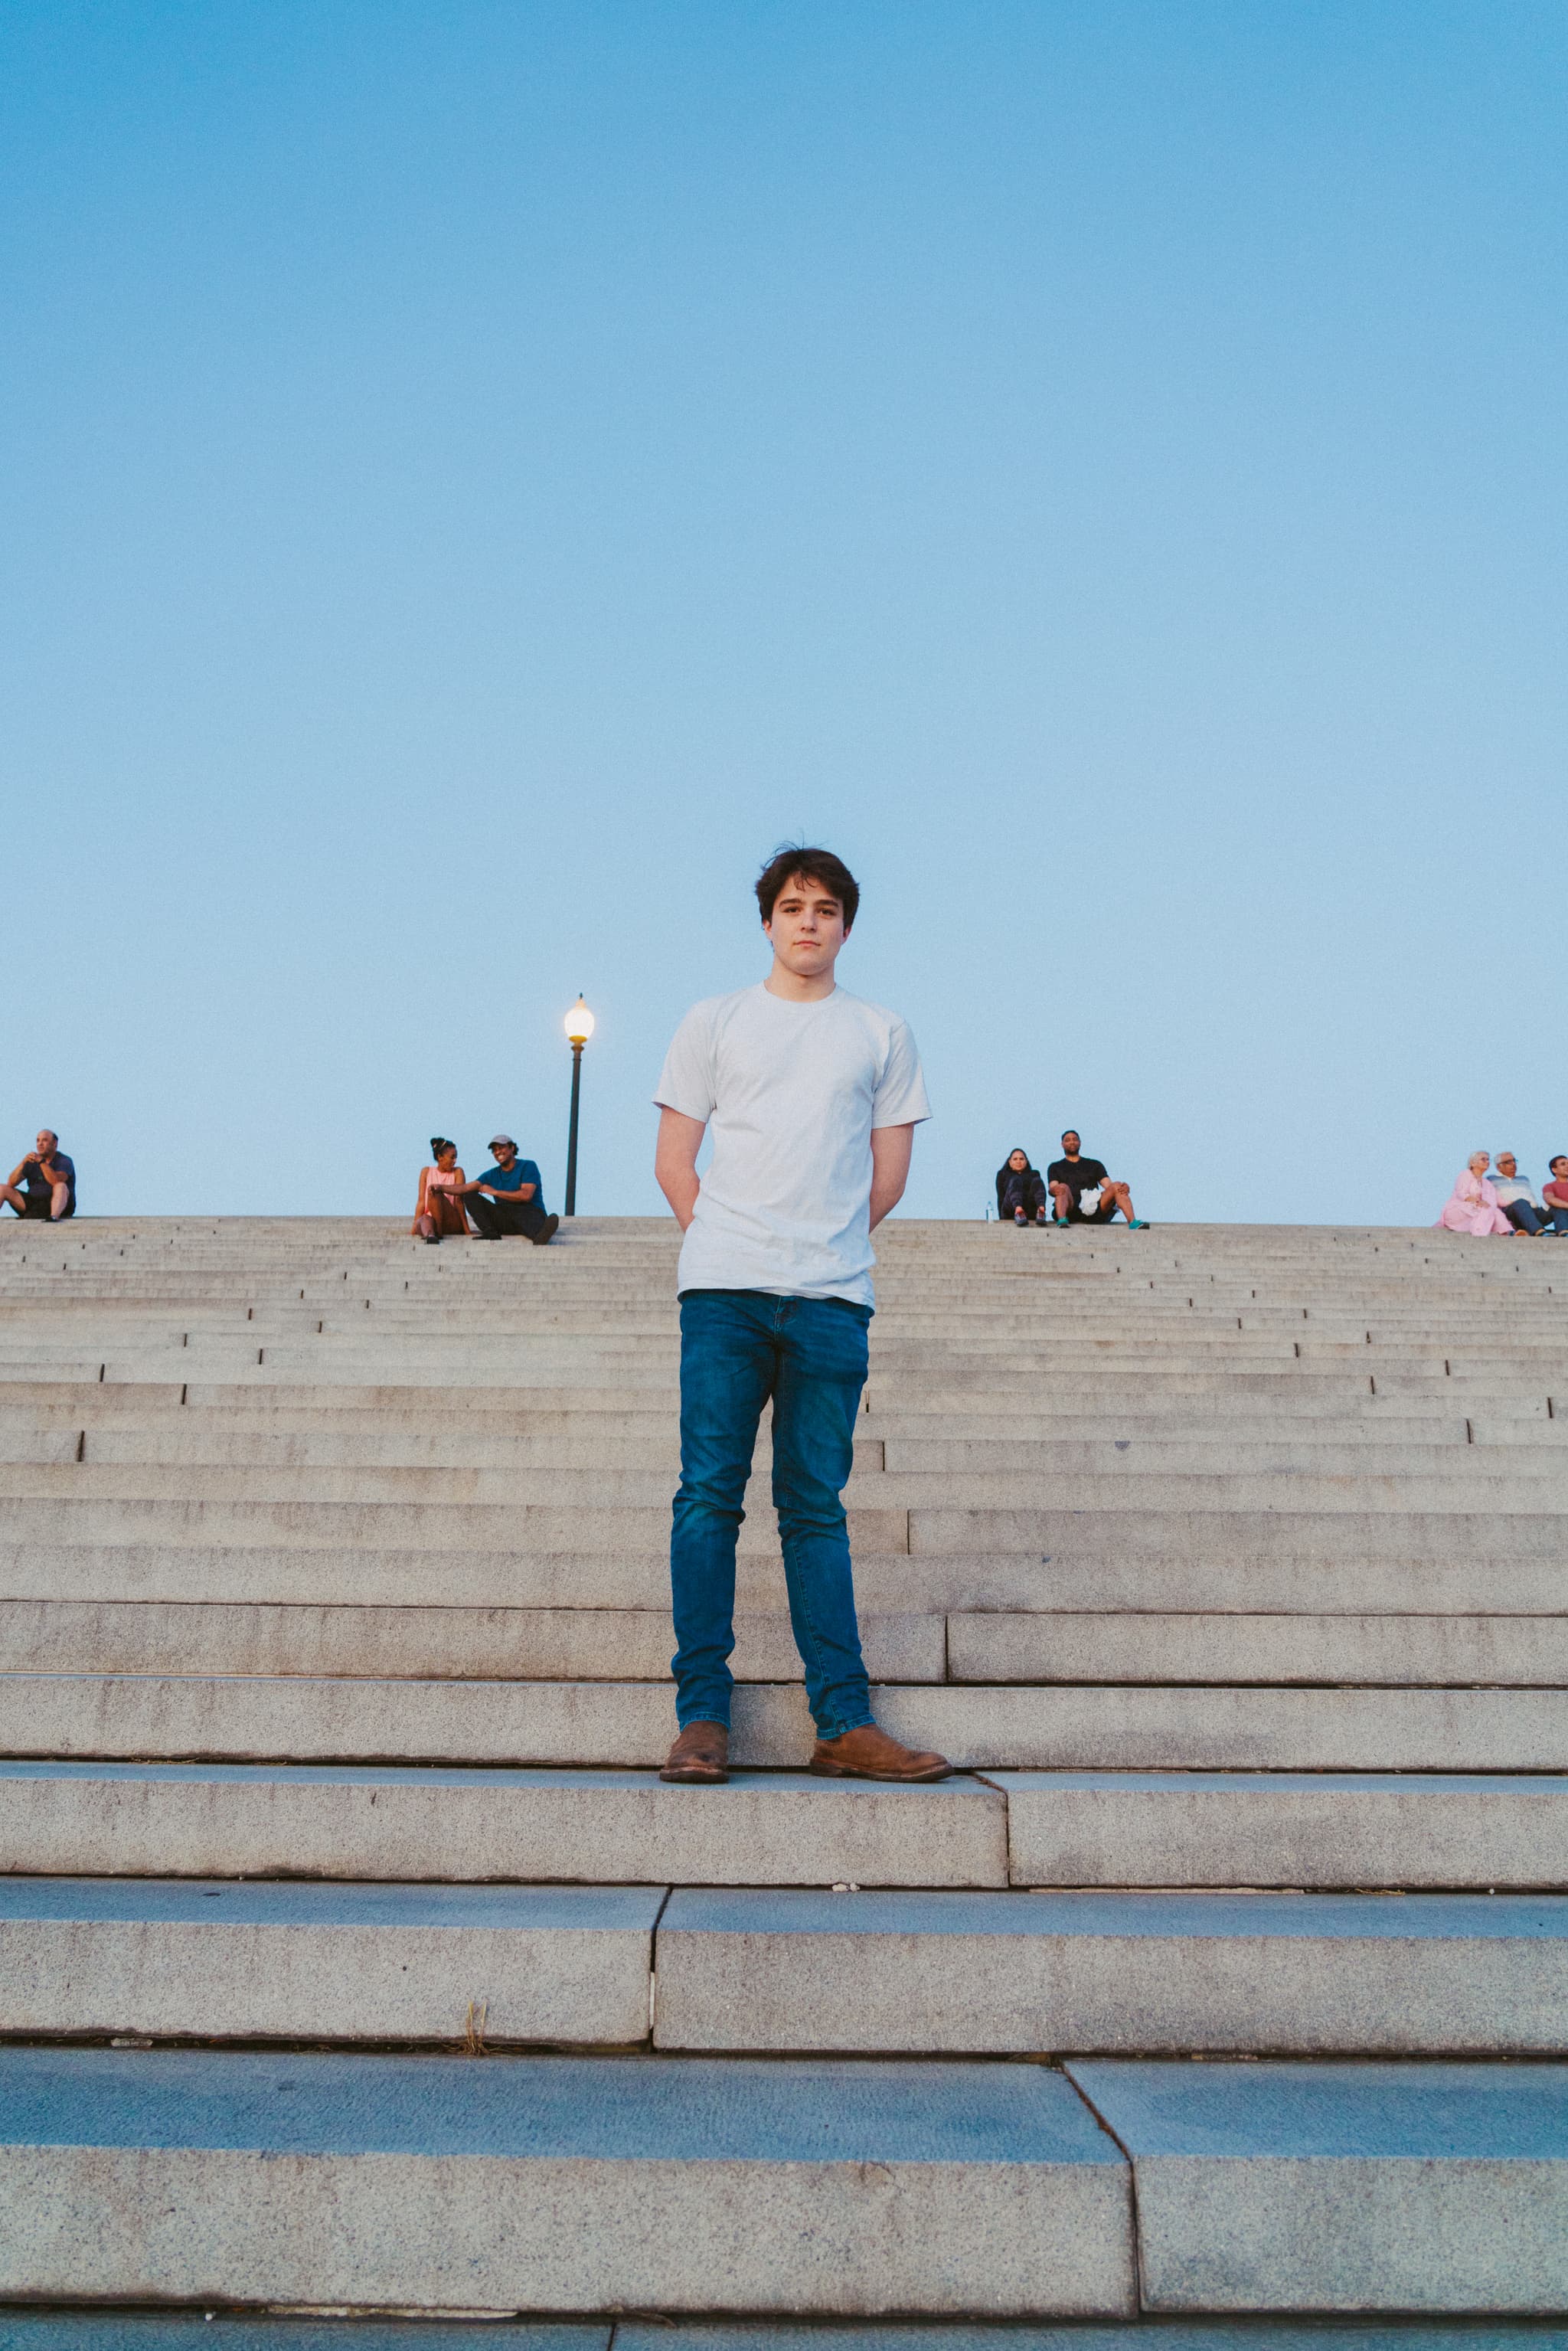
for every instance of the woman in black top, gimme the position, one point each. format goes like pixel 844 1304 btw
pixel 1020 1190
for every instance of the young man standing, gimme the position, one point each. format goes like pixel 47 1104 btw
pixel 813 1098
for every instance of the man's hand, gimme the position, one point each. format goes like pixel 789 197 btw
pixel 676 1162
pixel 891 1150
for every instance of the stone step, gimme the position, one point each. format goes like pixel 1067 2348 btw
pixel 80 2329
pixel 630 1511
pixel 220 1960
pixel 1344 2187
pixel 1278 1565
pixel 1133 1646
pixel 1313 1830
pixel 755 1972
pixel 1139 1524
pixel 383 1822
pixel 649 1446
pixel 630 1724
pixel 445 1527
pixel 1108 1390
pixel 1222 1459
pixel 891 2334
pixel 558 2183
pixel 1308 1974
pixel 423 1643
pixel 440 1418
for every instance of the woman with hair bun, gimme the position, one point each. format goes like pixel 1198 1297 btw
pixel 438 1209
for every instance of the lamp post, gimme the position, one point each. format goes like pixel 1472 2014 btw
pixel 579 1030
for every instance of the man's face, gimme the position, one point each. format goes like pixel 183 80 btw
pixel 504 1154
pixel 807 929
pixel 1069 1146
pixel 48 1143
pixel 1560 1171
pixel 1508 1166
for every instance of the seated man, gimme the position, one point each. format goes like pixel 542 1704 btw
pixel 1514 1195
pixel 44 1184
pixel 1082 1192
pixel 1555 1195
pixel 508 1197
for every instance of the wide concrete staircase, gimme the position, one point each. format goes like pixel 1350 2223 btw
pixel 354 1957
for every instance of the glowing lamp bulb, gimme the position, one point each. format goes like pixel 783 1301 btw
pixel 578 1023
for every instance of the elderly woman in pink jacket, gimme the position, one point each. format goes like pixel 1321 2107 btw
pixel 1472 1205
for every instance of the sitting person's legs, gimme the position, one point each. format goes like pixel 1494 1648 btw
pixel 1521 1217
pixel 497 1218
pixel 1024 1196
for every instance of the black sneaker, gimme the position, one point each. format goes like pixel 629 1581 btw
pixel 546 1231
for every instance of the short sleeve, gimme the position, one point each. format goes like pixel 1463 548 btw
pixel 900 1097
pixel 686 1080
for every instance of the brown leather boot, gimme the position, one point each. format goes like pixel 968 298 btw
pixel 701 1754
pixel 871 1753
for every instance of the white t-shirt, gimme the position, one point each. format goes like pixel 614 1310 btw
pixel 792 1092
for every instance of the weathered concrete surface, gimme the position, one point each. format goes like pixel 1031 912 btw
pixel 1427 1975
pixel 630 1724
pixel 227 1960
pixel 1087 1572
pixel 348 1822
pixel 1225 1728
pixel 1319 1829
pixel 1106 1645
pixel 190 2330
pixel 559 2184
pixel 1202 2335
pixel 418 1642
pixel 1345 2188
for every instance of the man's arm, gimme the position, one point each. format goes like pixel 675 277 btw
pixel 21 1167
pixel 675 1161
pixel 523 1192
pixel 891 1150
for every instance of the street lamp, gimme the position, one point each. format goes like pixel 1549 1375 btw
pixel 579 1027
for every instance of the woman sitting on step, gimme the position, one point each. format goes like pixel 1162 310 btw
pixel 1472 1205
pixel 438 1209
pixel 1020 1190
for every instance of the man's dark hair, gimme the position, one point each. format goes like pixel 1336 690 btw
pixel 818 865
pixel 1070 1130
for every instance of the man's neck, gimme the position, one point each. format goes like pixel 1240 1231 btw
pixel 782 981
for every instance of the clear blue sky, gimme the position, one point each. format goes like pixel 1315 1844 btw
pixel 476 476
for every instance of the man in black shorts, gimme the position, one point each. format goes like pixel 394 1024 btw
pixel 1069 1179
pixel 44 1184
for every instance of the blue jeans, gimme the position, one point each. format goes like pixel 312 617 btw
pixel 738 1347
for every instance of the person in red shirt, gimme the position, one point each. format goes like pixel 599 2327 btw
pixel 1555 1195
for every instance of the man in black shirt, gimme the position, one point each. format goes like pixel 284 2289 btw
pixel 1070 1177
